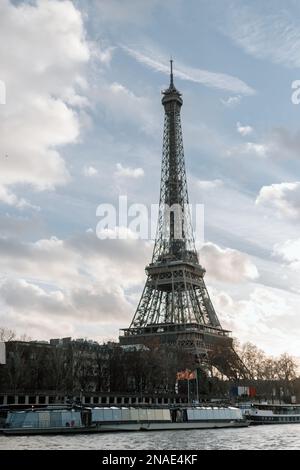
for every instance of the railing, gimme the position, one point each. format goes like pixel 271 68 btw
pixel 173 328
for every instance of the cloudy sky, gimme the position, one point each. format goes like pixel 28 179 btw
pixel 82 124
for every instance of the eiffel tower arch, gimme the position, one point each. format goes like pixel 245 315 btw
pixel 175 307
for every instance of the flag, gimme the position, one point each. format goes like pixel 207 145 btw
pixel 186 375
pixel 191 375
pixel 181 375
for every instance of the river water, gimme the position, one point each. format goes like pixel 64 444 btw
pixel 286 436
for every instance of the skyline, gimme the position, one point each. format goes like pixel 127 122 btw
pixel 82 124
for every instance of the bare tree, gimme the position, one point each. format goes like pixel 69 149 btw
pixel 7 335
pixel 270 369
pixel 254 359
pixel 286 368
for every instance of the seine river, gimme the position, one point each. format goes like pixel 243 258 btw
pixel 286 436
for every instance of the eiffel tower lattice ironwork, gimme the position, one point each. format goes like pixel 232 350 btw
pixel 175 307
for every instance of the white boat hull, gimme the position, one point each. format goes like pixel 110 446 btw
pixel 170 426
pixel 130 427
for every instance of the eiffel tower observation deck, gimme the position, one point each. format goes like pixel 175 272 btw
pixel 175 307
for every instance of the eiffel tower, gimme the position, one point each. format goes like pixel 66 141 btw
pixel 175 307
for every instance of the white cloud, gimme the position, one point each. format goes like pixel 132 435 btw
pixel 264 32
pixel 43 54
pixel 184 72
pixel 248 148
pixel 243 130
pixel 104 54
pixel 7 197
pixel 69 261
pixel 127 172
pixel 231 101
pixel 263 317
pixel 210 184
pixel 259 149
pixel 121 104
pixel 90 171
pixel 64 281
pixel 22 294
pixel 29 299
pixel 227 265
pixel 283 197
pixel 289 251
pixel 276 144
pixel 118 232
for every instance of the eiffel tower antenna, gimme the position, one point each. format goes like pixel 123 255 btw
pixel 171 72
pixel 175 307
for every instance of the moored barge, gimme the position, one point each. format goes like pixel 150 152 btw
pixel 111 419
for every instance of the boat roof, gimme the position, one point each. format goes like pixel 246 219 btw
pixel 273 405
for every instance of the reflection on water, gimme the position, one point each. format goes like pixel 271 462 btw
pixel 285 436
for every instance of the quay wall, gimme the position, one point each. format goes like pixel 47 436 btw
pixel 49 398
